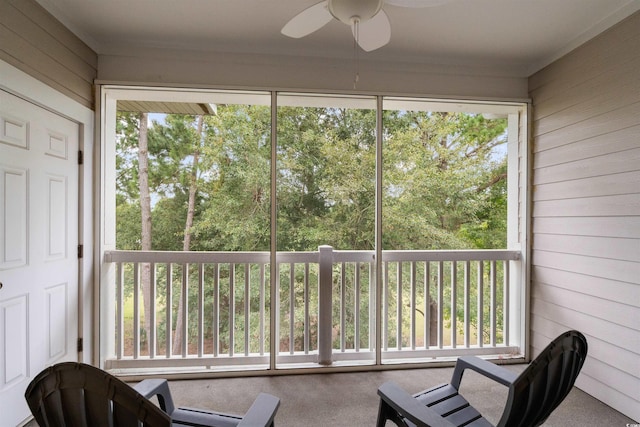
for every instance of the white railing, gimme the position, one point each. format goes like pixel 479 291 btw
pixel 213 309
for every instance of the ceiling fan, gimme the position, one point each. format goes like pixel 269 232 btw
pixel 368 21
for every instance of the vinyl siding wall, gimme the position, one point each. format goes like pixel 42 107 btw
pixel 36 43
pixel 586 209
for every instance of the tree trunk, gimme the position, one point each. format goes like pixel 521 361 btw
pixel 193 189
pixel 145 209
pixel 186 242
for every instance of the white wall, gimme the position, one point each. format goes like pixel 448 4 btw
pixel 586 209
pixel 229 70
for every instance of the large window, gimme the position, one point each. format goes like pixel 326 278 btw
pixel 326 151
pixel 446 178
pixel 281 175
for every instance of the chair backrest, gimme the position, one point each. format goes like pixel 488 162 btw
pixel 75 394
pixel 545 383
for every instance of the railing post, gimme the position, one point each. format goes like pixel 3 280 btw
pixel 325 301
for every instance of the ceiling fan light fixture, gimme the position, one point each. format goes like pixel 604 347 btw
pixel 348 10
pixel 369 23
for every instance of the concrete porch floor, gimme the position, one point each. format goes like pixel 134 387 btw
pixel 350 399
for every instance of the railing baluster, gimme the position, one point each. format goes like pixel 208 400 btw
pixel 136 310
pixel 169 311
pixel 493 303
pixel 232 308
pixel 480 303
pixel 185 309
pixel 307 332
pixel 440 303
pixel 292 307
pixel 427 305
pixel 385 308
pixel 262 315
pixel 343 306
pixel 153 291
pixel 200 309
pixel 278 312
pixel 454 304
pixel 467 303
pixel 247 306
pixel 120 310
pixel 399 306
pixel 216 310
pixel 356 307
pixel 412 304
pixel 505 301
pixel 372 308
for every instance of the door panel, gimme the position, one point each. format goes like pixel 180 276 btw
pixel 57 314
pixel 13 205
pixel 57 218
pixel 14 340
pixel 38 259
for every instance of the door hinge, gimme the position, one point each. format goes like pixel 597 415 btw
pixel 80 157
pixel 80 345
pixel 80 251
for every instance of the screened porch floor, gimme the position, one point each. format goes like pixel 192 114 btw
pixel 350 399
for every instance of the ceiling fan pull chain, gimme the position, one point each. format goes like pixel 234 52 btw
pixel 356 40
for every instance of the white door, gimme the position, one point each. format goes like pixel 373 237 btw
pixel 38 247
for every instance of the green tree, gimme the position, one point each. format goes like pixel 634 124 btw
pixel 326 181
pixel 236 198
pixel 437 168
pixel 210 183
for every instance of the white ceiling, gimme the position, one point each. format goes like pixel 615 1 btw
pixel 520 35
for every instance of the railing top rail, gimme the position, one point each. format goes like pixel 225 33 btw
pixel 183 257
pixel 452 255
pixel 186 257
pixel 297 257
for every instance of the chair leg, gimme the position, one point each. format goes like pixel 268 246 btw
pixel 382 414
pixel 386 412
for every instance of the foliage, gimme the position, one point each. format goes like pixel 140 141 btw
pixel 436 166
pixel 443 178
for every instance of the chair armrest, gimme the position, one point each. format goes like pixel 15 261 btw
pixel 262 411
pixel 408 407
pixel 486 368
pixel 157 387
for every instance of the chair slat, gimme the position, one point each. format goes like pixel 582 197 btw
pixel 464 416
pixel 436 394
pixel 453 404
pixel 480 422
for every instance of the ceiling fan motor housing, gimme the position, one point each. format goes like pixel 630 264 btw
pixel 347 10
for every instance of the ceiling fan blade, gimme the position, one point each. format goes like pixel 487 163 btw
pixel 373 33
pixel 417 3
pixel 308 21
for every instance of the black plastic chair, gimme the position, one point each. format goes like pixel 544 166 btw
pixel 73 394
pixel 533 395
